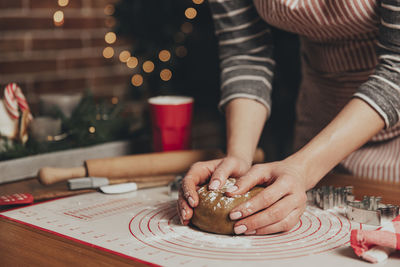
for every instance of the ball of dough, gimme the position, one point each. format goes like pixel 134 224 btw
pixel 212 213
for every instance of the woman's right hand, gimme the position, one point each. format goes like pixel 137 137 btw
pixel 219 170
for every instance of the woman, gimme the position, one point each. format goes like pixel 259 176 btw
pixel 347 112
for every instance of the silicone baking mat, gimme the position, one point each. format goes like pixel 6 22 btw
pixel 144 226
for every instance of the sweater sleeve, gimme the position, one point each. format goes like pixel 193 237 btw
pixel 245 51
pixel 382 90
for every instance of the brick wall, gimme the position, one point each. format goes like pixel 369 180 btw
pixel 45 58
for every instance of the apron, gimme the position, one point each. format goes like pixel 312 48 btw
pixel 338 52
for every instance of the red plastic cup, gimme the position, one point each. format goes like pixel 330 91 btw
pixel 171 118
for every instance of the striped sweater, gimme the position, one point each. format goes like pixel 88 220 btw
pixel 350 36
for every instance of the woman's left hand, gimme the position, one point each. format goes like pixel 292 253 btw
pixel 275 209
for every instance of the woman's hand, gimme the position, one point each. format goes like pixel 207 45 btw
pixel 219 170
pixel 275 209
pixel 279 206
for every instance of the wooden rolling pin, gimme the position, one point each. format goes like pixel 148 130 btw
pixel 151 164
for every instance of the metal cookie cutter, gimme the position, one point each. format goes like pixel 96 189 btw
pixel 368 211
pixel 371 211
pixel 328 197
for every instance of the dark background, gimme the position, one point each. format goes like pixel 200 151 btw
pixel 152 24
pixel 44 57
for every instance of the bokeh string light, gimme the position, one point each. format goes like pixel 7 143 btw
pixel 165 75
pixel 124 56
pixel 137 80
pixel 110 37
pixel 108 52
pixel 63 3
pixel 132 62
pixel 179 37
pixel 109 10
pixel 58 18
pixel 114 100
pixel 181 51
pixel 110 22
pixel 190 13
pixel 148 66
pixel 187 27
pixel 164 55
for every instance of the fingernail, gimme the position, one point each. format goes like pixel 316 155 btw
pixel 240 229
pixel 181 220
pixel 191 201
pixel 214 185
pixel 231 189
pixel 235 215
pixel 251 232
pixel 183 212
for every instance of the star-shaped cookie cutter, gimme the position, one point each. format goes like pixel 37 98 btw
pixel 368 211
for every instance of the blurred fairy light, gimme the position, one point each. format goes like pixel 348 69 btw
pixel 58 18
pixel 110 22
pixel 114 100
pixel 132 62
pixel 63 2
pixel 108 52
pixel 148 66
pixel 124 56
pixel 165 75
pixel 164 55
pixel 110 37
pixel 187 27
pixel 181 51
pixel 137 80
pixel 190 13
pixel 109 10
pixel 179 37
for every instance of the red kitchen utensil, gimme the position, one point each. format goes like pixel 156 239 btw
pixel 16 199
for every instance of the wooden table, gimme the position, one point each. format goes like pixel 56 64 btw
pixel 389 192
pixel 22 245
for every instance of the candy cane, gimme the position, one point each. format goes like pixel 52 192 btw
pixel 14 98
pixel 376 245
